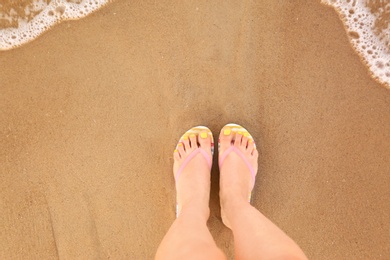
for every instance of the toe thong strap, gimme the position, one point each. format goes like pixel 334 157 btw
pixel 237 151
pixel 189 158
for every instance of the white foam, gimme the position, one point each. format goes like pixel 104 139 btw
pixel 48 15
pixel 368 29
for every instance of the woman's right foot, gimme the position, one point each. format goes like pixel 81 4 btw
pixel 236 175
pixel 193 178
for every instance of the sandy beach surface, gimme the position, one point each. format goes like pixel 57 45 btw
pixel 91 111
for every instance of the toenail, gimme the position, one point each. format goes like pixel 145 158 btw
pixel 250 140
pixel 203 135
pixel 246 134
pixel 179 144
pixel 185 137
pixel 227 131
pixel 192 135
pixel 239 132
pixel 175 151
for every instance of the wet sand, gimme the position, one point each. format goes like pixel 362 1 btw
pixel 91 112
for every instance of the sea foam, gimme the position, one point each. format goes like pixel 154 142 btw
pixel 24 21
pixel 367 23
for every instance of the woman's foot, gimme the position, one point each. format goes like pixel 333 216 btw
pixel 238 167
pixel 191 169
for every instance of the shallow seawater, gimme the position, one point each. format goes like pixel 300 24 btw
pixel 367 24
pixel 24 20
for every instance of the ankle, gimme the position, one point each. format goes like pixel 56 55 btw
pixel 233 203
pixel 233 197
pixel 195 210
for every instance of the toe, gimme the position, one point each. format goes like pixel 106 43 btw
pixel 180 148
pixel 238 139
pixel 176 155
pixel 226 138
pixel 244 141
pixel 193 141
pixel 186 143
pixel 251 146
pixel 255 153
pixel 205 140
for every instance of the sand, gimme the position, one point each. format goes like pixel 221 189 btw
pixel 91 111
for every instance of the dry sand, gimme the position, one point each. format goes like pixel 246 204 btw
pixel 91 111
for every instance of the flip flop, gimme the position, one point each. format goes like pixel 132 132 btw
pixel 239 129
pixel 195 130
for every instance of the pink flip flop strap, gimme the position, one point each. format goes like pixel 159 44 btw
pixel 237 151
pixel 189 158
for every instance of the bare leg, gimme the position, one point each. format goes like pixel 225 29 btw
pixel 189 237
pixel 255 236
